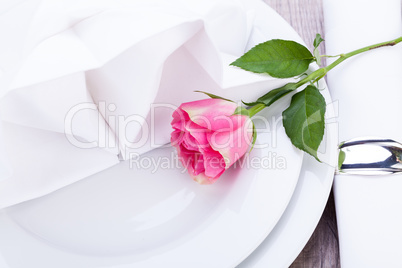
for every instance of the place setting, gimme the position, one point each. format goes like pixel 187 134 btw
pixel 190 133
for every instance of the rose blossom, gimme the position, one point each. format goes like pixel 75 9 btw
pixel 209 138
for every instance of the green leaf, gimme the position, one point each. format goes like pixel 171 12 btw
pixel 304 120
pixel 212 96
pixel 273 95
pixel 341 159
pixel 317 41
pixel 249 103
pixel 278 58
pixel 276 94
pixel 241 110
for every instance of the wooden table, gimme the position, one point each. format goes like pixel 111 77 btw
pixel 306 17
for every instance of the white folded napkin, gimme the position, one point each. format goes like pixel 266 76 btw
pixel 84 83
pixel 368 88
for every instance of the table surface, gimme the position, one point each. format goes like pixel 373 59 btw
pixel 306 17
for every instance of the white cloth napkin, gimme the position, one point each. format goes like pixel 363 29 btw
pixel 78 79
pixel 368 88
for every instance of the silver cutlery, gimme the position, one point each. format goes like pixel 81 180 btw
pixel 370 156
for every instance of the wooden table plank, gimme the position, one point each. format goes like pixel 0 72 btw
pixel 306 17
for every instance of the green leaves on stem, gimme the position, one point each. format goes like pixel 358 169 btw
pixel 303 120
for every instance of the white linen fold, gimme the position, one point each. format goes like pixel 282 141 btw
pixel 85 83
pixel 368 88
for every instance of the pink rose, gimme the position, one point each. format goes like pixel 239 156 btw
pixel 209 138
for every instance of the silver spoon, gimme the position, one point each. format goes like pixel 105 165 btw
pixel 370 156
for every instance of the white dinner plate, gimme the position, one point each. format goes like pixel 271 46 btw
pixel 128 217
pixel 134 216
pixel 147 212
